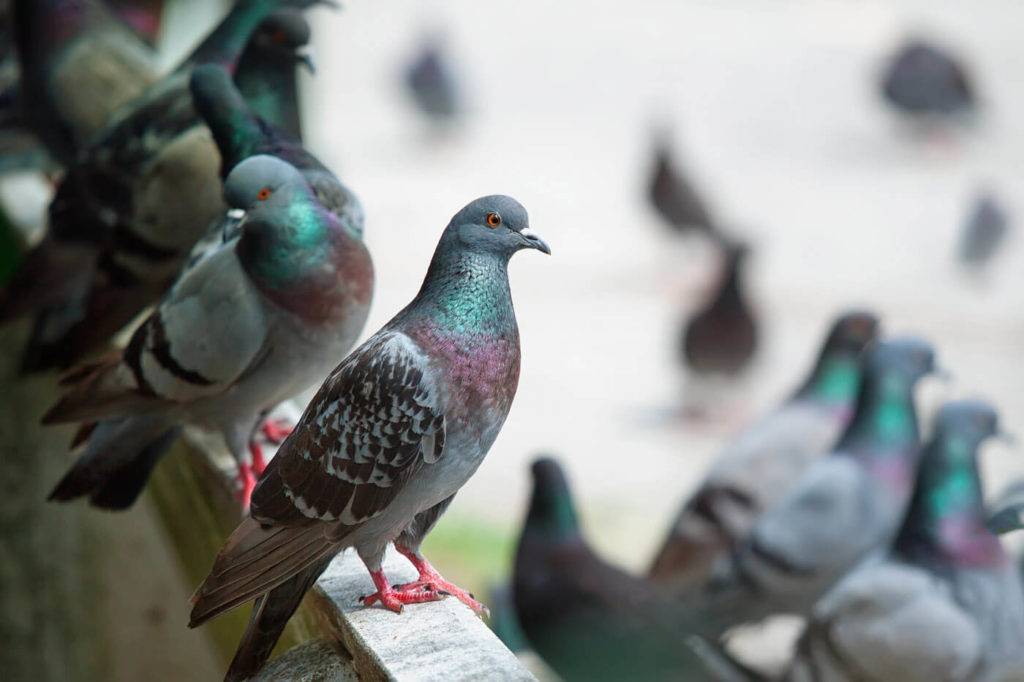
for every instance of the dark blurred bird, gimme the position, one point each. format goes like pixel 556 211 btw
pixel 923 80
pixel 948 603
pixel 432 84
pixel 762 463
pixel 983 231
pixel 128 211
pixel 845 507
pixel 256 321
pixel 1007 511
pixel 394 432
pixel 78 64
pixel 721 338
pixel 588 620
pixel 673 196
pixel 267 75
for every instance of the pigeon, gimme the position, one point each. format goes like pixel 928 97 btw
pixel 983 232
pixel 432 85
pixel 673 196
pixel 587 619
pixel 843 509
pixel 759 466
pixel 924 81
pixel 393 433
pixel 119 230
pixel 266 72
pixel 274 307
pixel 721 338
pixel 79 64
pixel 947 603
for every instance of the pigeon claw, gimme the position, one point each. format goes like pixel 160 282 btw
pixel 276 430
pixel 436 585
pixel 259 462
pixel 393 599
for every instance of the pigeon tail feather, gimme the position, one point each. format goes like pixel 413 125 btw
pixel 255 560
pixel 269 616
pixel 102 389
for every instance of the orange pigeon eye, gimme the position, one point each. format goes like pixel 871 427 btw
pixel 263 194
pixel 493 220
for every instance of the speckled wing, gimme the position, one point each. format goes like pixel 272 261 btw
pixel 888 622
pixel 377 419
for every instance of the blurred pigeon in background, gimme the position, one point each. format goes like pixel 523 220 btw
pixel 983 231
pixel 432 84
pixel 720 339
pixel 78 64
pixel 673 196
pixel 924 81
pixel 266 73
pixel 762 463
pixel 587 619
pixel 275 307
pixel 393 433
pixel 948 603
pixel 128 211
pixel 845 507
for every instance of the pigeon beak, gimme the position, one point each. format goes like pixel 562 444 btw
pixel 236 213
pixel 304 55
pixel 533 241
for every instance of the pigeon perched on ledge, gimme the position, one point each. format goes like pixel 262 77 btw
pixel 844 508
pixel 761 464
pixel 947 603
pixel 275 306
pixel 393 433
pixel 587 619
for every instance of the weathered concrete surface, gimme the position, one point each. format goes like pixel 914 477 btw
pixel 440 640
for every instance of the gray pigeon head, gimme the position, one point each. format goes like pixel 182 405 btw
pixel 910 357
pixel 494 224
pixel 257 179
pixel 974 420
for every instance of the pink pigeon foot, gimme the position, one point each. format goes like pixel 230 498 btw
pixel 393 599
pixel 430 581
pixel 246 484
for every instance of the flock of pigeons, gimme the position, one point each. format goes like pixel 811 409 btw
pixel 831 507
pixel 188 198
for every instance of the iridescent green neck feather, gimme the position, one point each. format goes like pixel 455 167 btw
pixel 885 421
pixel 467 293
pixel 835 380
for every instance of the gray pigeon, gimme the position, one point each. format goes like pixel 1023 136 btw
pixel 948 603
pixel 924 80
pixel 843 508
pixel 432 84
pixel 394 432
pixel 251 324
pixel 760 465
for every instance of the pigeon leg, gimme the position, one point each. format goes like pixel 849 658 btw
pixel 276 430
pixel 432 581
pixel 246 484
pixel 392 599
pixel 259 462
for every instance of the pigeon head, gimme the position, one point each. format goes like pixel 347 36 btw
pixel 284 35
pixel 852 332
pixel 967 421
pixel 493 225
pixel 257 180
pixel 551 512
pixel 908 358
